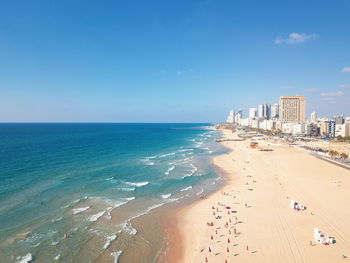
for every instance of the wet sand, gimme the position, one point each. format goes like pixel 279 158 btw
pixel 260 225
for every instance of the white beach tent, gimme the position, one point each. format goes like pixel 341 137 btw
pixel 292 204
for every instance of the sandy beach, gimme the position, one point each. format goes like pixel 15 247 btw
pixel 250 218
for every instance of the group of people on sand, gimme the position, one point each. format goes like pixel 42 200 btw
pixel 226 227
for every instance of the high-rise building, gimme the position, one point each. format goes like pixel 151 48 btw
pixel 313 116
pixel 339 119
pixel 264 111
pixel 231 117
pixel 252 113
pixel 238 116
pixel 267 111
pixel 292 108
pixel 275 108
pixel 261 111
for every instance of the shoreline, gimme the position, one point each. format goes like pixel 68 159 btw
pixel 171 221
pixel 267 230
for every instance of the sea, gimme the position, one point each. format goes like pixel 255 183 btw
pixel 90 192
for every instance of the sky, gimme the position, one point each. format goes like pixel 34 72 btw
pixel 170 61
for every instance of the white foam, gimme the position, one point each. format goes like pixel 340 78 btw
pixel 110 178
pixel 137 184
pixel 147 161
pixel 57 257
pixel 109 240
pixel 166 196
pixel 127 189
pixel 165 155
pixel 200 192
pixel 169 170
pixel 185 150
pixel 95 217
pixel 25 259
pixel 185 189
pixel 117 204
pixel 54 243
pixel 194 168
pixel 80 209
pixel 147 210
pixel 116 255
pixel 57 219
pixel 128 228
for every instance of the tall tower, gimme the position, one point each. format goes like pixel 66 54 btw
pixel 252 113
pixel 292 108
pixel 313 116
pixel 274 111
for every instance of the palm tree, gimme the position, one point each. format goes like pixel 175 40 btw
pixel 333 153
pixel 344 156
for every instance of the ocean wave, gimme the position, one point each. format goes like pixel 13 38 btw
pixel 57 219
pixel 80 209
pixel 147 161
pixel 109 240
pixel 166 196
pixel 186 175
pixel 57 257
pixel 95 217
pixel 110 178
pixel 186 150
pixel 185 189
pixel 25 259
pixel 127 189
pixel 166 155
pixel 128 228
pixel 116 205
pixel 137 184
pixel 169 170
pixel 200 192
pixel 54 243
pixel 194 168
pixel 147 210
pixel 116 255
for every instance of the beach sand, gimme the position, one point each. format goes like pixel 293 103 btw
pixel 259 188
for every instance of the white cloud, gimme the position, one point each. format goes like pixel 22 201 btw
pixel 346 69
pixel 332 94
pixel 311 90
pixel 295 38
pixel 182 72
pixel 344 86
pixel 330 100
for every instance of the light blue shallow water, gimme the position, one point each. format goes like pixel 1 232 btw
pixel 76 178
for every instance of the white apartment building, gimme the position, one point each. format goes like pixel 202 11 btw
pixel 342 129
pixel 252 113
pixel 313 116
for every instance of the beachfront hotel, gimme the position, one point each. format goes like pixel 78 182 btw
pixel 292 108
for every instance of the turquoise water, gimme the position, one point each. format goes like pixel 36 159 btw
pixel 68 188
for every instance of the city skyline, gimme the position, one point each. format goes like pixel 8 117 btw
pixel 186 61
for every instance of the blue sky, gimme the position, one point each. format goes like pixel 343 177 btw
pixel 170 61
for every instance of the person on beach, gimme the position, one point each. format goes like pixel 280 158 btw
pixel 228 250
pixel 209 249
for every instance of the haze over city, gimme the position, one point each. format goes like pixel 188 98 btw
pixel 182 61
